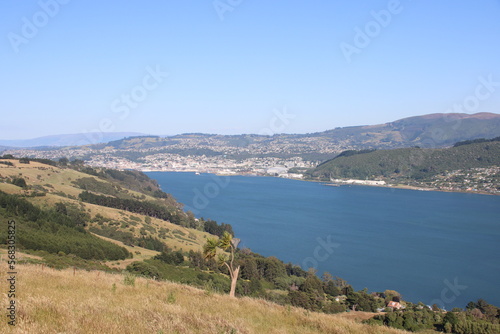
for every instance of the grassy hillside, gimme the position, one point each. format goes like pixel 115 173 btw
pixel 47 186
pixel 52 301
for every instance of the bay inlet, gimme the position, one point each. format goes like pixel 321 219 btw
pixel 433 247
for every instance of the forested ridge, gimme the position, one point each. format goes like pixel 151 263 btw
pixel 410 163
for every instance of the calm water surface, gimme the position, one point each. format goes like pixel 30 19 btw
pixel 432 247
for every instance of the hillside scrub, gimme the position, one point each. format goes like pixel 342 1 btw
pixel 53 301
pixel 60 229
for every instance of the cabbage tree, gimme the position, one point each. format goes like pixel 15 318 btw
pixel 225 243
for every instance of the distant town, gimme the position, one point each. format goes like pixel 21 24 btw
pixel 299 156
pixel 478 180
pixel 171 162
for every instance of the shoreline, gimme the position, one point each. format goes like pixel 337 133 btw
pixel 408 187
pixel 332 183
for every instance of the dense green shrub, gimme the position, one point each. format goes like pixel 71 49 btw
pixel 170 257
pixel 55 231
pixel 143 269
pixel 20 182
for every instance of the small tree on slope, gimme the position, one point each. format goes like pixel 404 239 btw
pixel 225 242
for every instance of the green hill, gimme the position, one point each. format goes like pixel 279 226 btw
pixel 407 165
pixel 134 210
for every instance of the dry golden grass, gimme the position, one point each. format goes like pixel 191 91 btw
pixel 9 188
pixel 51 301
pixel 19 256
pixel 61 179
pixel 358 315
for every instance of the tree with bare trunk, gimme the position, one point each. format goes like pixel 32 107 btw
pixel 225 243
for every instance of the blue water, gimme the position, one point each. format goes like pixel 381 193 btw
pixel 433 247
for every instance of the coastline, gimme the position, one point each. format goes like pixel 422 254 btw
pixel 408 187
pixel 370 183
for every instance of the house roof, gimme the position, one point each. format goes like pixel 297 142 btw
pixel 393 304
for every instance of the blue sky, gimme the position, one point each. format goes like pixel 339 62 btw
pixel 233 64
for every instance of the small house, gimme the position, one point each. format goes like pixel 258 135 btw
pixel 394 305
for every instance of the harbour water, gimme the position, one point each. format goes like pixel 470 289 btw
pixel 433 247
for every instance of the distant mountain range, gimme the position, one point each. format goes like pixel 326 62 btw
pixel 67 139
pixel 427 131
pixel 433 130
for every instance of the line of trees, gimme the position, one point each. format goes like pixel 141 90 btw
pixel 475 141
pixel 212 227
pixel 156 210
pixel 146 208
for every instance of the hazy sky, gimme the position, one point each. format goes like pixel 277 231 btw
pixel 229 66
